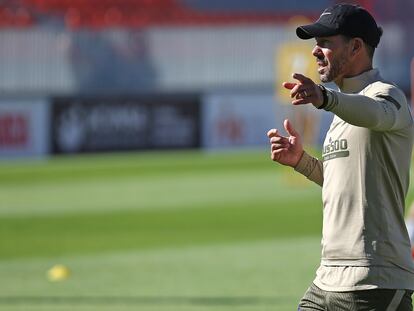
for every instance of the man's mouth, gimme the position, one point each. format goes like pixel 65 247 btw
pixel 321 66
pixel 321 63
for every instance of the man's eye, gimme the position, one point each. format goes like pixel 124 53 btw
pixel 324 43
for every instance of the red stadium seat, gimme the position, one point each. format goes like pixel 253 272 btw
pixel 130 13
pixel 16 17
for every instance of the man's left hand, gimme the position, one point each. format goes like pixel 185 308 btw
pixel 305 91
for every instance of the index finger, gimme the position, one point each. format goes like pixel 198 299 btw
pixel 289 85
pixel 301 77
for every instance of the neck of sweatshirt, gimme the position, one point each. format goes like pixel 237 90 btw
pixel 356 84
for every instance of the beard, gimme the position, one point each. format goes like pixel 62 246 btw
pixel 334 68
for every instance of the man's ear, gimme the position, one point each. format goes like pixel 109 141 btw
pixel 357 45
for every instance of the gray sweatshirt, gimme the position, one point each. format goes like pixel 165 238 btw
pixel 364 177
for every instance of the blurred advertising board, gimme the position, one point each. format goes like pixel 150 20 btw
pixel 137 123
pixel 24 128
pixel 232 120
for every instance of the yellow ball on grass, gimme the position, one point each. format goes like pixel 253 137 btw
pixel 58 273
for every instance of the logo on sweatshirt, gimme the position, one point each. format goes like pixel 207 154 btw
pixel 335 149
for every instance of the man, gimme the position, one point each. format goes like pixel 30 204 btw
pixel 364 174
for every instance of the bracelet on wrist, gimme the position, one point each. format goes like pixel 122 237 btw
pixel 325 96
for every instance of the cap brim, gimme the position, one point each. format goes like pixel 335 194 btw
pixel 314 30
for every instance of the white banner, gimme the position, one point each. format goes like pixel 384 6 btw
pixel 24 127
pixel 232 120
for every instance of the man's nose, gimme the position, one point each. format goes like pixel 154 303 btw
pixel 316 51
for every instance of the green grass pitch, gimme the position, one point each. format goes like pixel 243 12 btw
pixel 157 231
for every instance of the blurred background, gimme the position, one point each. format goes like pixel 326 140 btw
pixel 134 169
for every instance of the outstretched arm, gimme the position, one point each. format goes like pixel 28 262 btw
pixel 384 110
pixel 380 108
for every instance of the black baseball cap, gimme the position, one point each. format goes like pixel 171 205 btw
pixel 343 19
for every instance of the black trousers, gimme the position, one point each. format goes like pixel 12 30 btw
pixel 363 300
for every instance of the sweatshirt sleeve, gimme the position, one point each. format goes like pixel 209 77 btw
pixel 311 168
pixel 381 107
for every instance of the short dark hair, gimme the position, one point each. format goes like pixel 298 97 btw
pixel 370 49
